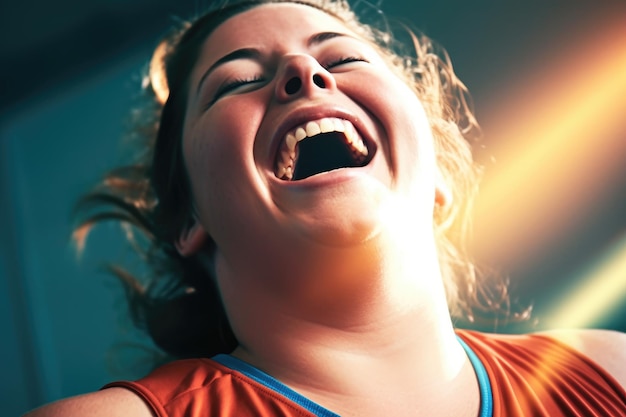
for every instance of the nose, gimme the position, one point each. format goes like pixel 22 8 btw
pixel 301 75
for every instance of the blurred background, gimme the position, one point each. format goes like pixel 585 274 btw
pixel 548 78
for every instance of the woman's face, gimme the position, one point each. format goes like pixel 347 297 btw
pixel 266 78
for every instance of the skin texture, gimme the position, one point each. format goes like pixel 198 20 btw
pixel 114 402
pixel 339 271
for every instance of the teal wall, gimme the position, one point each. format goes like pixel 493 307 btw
pixel 61 317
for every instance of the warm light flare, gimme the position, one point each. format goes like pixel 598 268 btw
pixel 557 151
pixel 601 290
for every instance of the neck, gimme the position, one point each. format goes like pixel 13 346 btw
pixel 385 329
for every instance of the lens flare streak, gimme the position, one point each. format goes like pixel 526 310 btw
pixel 602 289
pixel 558 151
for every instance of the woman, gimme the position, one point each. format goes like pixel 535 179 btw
pixel 305 178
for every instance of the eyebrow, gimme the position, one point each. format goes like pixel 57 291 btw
pixel 253 53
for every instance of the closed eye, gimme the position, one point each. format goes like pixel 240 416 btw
pixel 343 61
pixel 233 85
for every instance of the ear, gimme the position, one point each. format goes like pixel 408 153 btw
pixel 443 194
pixel 191 238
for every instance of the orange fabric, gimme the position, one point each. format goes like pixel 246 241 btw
pixel 204 388
pixel 535 375
pixel 530 375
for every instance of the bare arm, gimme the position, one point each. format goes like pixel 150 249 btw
pixel 606 347
pixel 111 402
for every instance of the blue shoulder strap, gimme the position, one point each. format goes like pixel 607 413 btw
pixel 486 396
pixel 266 380
pixel 486 399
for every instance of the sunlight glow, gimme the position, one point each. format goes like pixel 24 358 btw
pixel 601 290
pixel 555 148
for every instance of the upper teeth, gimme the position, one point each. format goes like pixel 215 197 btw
pixel 285 163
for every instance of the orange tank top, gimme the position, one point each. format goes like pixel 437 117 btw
pixel 529 375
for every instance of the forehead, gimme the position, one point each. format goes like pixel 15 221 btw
pixel 269 26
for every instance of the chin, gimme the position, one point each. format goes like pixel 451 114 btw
pixel 347 209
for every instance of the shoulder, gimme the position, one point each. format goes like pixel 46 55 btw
pixel 605 347
pixel 112 402
pixel 186 377
pixel 141 397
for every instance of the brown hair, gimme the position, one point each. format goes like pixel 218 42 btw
pixel 179 305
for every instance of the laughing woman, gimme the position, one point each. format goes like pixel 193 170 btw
pixel 298 192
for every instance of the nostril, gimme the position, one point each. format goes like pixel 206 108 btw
pixel 319 81
pixel 293 85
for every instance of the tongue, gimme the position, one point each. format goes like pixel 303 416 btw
pixel 321 153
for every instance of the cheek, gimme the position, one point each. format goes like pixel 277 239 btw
pixel 407 130
pixel 218 153
pixel 219 143
pixel 401 114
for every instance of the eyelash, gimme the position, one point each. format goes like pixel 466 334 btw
pixel 231 85
pixel 344 60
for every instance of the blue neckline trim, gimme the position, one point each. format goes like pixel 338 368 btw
pixel 272 383
pixel 486 396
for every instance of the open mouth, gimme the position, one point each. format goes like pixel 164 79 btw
pixel 321 146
